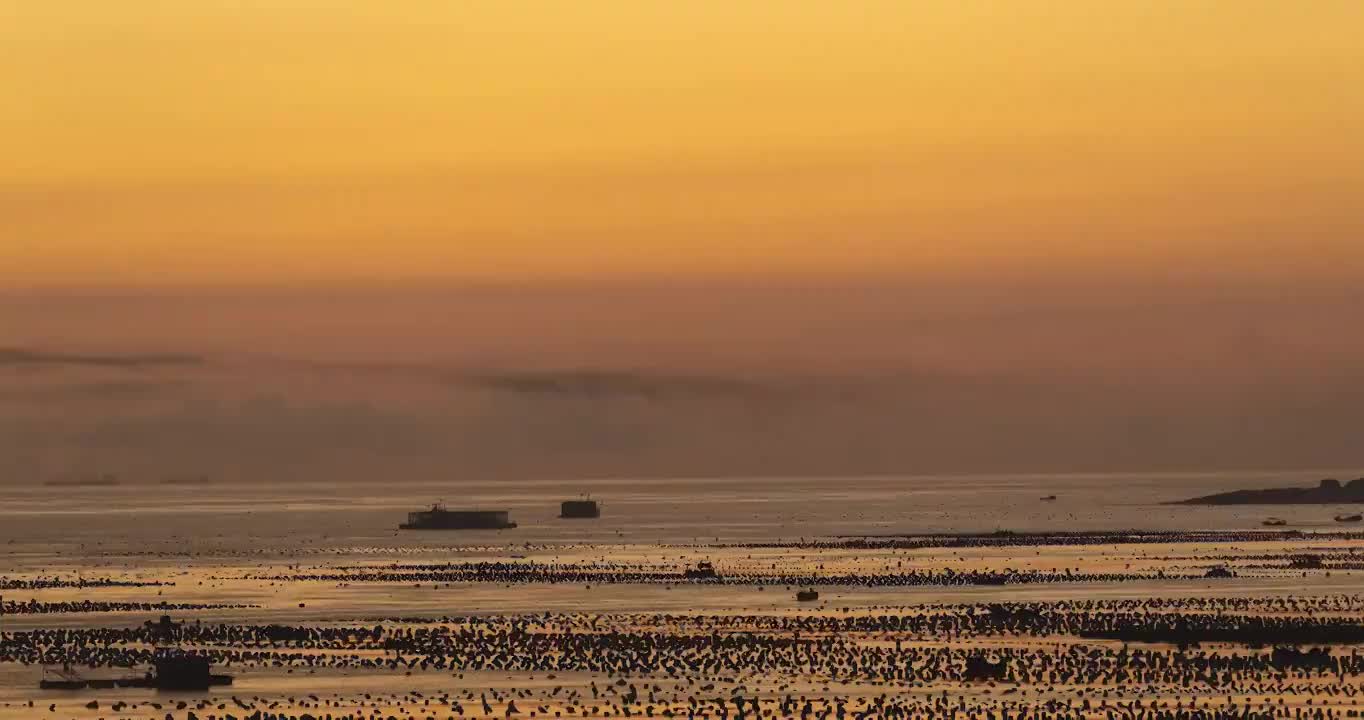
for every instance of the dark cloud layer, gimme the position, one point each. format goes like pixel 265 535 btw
pixel 37 358
pixel 618 383
pixel 280 423
pixel 693 381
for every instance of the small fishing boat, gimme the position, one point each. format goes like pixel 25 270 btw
pixel 1274 522
pixel 1306 561
pixel 702 571
pixel 1349 518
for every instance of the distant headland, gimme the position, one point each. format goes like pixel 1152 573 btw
pixel 1328 492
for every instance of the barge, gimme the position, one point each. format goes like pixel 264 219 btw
pixel 579 509
pixel 439 518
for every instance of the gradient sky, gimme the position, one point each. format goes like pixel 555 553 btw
pixel 715 236
pixel 302 141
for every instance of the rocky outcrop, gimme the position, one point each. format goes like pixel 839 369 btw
pixel 1328 492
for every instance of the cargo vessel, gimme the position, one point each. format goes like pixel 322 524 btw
pixel 438 518
pixel 579 509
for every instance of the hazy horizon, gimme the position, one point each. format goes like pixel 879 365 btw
pixel 610 238
pixel 680 378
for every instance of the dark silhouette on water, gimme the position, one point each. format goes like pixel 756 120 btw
pixel 1284 658
pixel 1305 561
pixel 1328 492
pixel 980 668
pixel 176 670
pixel 165 629
pixel 186 672
pixel 579 509
pixel 438 518
pixel 702 571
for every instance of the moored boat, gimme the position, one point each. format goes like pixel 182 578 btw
pixel 439 518
pixel 702 571
pixel 584 509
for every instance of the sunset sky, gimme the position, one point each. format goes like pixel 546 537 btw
pixel 704 236
pixel 303 141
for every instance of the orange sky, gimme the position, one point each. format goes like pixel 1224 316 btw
pixel 301 141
